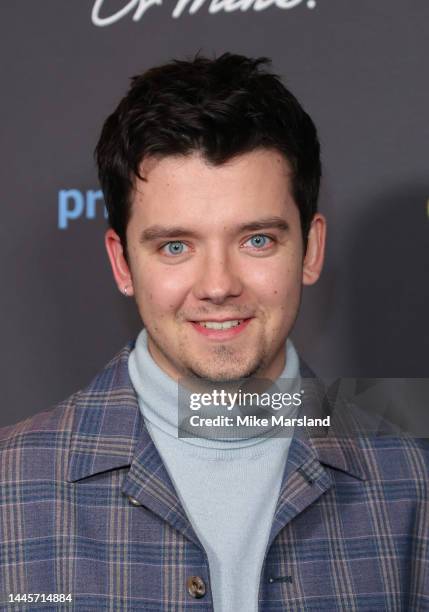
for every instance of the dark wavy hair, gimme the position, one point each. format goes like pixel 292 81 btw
pixel 219 107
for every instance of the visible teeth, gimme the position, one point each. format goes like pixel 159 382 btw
pixel 223 325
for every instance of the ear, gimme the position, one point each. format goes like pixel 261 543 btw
pixel 314 256
pixel 120 268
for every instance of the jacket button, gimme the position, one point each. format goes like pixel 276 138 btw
pixel 133 501
pixel 196 587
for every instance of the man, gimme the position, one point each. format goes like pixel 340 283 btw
pixel 210 171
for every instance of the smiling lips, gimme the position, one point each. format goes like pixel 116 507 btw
pixel 221 330
pixel 221 324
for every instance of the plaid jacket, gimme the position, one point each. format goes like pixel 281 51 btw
pixel 87 510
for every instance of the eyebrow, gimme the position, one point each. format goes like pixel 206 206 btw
pixel 156 232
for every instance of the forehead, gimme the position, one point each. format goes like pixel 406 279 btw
pixel 192 190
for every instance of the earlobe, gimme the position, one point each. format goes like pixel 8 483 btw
pixel 314 256
pixel 120 268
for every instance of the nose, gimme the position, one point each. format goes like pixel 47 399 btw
pixel 218 279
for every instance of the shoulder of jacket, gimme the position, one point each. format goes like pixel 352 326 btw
pixel 57 419
pixel 397 457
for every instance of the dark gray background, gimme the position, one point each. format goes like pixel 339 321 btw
pixel 360 69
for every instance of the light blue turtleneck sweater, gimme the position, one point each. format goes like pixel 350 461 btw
pixel 229 488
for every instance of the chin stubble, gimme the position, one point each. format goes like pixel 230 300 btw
pixel 228 367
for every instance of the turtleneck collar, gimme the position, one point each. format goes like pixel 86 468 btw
pixel 158 395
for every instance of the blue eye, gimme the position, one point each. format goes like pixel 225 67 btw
pixel 259 241
pixel 174 248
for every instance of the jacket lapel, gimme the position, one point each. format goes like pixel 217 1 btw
pixel 311 452
pixel 149 483
pixel 109 433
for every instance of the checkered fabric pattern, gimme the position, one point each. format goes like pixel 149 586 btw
pixel 87 508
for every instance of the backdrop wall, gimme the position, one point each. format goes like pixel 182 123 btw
pixel 360 69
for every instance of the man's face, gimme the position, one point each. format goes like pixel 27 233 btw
pixel 216 263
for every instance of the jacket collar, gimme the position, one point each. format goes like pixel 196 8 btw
pixel 107 422
pixel 336 446
pixel 109 433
